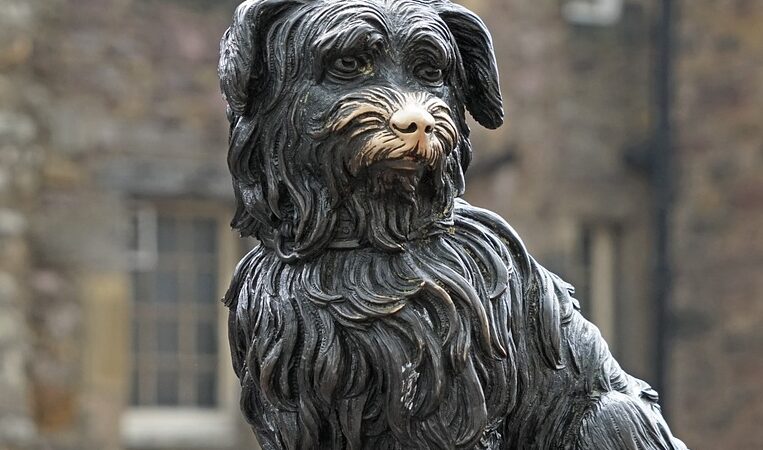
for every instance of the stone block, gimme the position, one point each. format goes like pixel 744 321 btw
pixel 17 129
pixel 12 223
pixel 81 229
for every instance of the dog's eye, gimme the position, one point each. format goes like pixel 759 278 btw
pixel 347 66
pixel 429 74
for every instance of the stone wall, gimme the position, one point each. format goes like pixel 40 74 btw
pixel 102 103
pixel 20 155
pixel 134 113
pixel 715 365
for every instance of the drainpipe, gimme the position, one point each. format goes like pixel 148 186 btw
pixel 663 187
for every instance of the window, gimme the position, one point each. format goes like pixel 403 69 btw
pixel 598 291
pixel 180 393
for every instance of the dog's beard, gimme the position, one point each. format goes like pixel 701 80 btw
pixel 387 208
pixel 396 188
pixel 397 347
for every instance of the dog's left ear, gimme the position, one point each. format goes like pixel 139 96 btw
pixel 482 91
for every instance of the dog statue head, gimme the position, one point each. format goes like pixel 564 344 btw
pixel 348 123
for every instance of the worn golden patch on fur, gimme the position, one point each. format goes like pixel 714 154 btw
pixel 369 114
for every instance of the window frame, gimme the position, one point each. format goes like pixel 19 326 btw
pixel 182 426
pixel 600 257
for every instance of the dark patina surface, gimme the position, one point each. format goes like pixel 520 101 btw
pixel 380 310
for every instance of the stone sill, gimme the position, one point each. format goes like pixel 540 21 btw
pixel 177 428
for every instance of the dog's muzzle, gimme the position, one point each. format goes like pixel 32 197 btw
pixel 398 130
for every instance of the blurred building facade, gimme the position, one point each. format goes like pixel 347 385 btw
pixel 114 243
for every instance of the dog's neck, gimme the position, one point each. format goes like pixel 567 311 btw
pixel 348 234
pixel 351 233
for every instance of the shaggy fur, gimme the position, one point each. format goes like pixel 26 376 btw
pixel 380 310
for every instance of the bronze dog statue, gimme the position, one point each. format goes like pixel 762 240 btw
pixel 380 310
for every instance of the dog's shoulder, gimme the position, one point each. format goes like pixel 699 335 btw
pixel 547 301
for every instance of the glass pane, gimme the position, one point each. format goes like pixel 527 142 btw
pixel 132 239
pixel 206 288
pixel 205 235
pixel 206 338
pixel 166 231
pixel 140 286
pixel 166 388
pixel 166 287
pixel 136 336
pixel 206 385
pixel 167 336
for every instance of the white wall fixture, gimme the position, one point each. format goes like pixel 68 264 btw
pixel 593 12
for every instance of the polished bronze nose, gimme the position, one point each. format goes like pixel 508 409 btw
pixel 412 122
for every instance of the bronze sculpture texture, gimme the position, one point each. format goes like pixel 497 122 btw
pixel 380 310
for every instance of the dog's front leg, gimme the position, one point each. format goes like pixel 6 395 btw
pixel 621 421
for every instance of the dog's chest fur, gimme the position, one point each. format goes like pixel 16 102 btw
pixel 434 347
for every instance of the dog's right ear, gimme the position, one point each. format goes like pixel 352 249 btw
pixel 242 56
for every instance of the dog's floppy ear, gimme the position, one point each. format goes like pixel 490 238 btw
pixel 482 91
pixel 242 63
